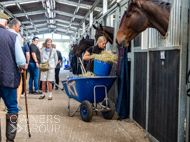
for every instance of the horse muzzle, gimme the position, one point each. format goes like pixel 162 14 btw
pixel 122 43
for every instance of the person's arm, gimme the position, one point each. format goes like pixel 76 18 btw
pixel 19 55
pixel 87 56
pixel 35 59
pixel 59 58
pixel 27 53
pixel 27 57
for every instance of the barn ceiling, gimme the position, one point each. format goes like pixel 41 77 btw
pixel 58 16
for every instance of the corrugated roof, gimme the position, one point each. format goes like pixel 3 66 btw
pixel 57 14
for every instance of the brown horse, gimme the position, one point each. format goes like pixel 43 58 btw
pixel 142 14
pixel 106 31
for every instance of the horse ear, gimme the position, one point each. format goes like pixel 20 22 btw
pixel 138 2
pixel 94 26
pixel 101 27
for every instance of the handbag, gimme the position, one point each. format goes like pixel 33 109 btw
pixel 45 65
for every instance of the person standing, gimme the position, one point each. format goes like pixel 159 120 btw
pixel 57 69
pixel 34 66
pixel 14 26
pixel 11 57
pixel 48 54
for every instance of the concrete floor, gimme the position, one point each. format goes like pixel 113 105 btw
pixel 49 122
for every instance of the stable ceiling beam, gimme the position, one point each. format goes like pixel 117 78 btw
pixel 68 14
pixel 57 32
pixel 80 5
pixel 43 11
pixel 18 1
pixel 66 27
pixel 30 13
pixel 41 20
pixel 91 10
pixel 35 21
pixel 86 6
pixel 67 22
pixel 57 29
pixel 37 26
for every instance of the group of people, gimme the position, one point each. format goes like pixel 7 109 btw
pixel 15 59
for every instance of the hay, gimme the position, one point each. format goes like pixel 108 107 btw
pixel 86 75
pixel 106 56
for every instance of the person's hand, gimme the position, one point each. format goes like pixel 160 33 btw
pixel 37 65
pixel 26 66
pixel 22 70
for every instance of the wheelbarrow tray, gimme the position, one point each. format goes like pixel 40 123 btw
pixel 82 88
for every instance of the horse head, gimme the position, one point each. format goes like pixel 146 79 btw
pixel 105 31
pixel 74 48
pixel 142 14
pixel 83 45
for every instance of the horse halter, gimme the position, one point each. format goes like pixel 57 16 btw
pixel 122 19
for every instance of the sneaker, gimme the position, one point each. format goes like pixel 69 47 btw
pixel 19 108
pixel 37 93
pixel 23 95
pixel 31 92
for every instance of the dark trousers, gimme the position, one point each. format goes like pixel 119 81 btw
pixel 57 76
pixel 23 81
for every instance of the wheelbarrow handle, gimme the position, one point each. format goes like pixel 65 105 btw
pixel 62 89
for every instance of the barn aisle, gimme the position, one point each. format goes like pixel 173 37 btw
pixel 49 122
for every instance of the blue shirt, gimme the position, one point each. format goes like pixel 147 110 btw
pixel 25 49
pixel 20 59
pixel 19 55
pixel 48 50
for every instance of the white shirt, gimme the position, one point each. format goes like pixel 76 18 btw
pixel 53 58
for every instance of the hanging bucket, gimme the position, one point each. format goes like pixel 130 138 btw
pixel 102 68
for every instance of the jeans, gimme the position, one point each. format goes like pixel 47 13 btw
pixel 34 75
pixel 9 95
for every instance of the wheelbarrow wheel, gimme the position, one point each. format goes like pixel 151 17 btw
pixel 108 114
pixel 86 111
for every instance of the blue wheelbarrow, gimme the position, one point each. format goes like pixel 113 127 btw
pixel 91 92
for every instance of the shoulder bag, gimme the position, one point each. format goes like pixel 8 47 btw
pixel 45 65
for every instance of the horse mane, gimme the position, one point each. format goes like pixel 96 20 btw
pixel 88 41
pixel 162 4
pixel 109 30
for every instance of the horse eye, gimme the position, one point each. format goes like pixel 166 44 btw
pixel 128 15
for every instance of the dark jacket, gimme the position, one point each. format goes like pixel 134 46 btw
pixel 59 58
pixel 9 72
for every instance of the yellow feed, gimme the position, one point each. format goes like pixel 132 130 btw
pixel 106 56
